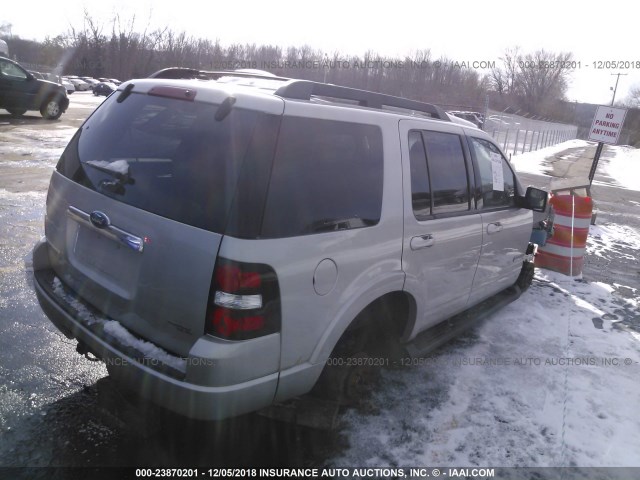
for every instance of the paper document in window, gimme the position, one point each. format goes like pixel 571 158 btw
pixel 496 172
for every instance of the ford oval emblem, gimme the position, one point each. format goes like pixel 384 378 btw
pixel 99 219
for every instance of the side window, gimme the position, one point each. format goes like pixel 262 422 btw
pixel 10 70
pixel 496 177
pixel 327 176
pixel 447 171
pixel 420 190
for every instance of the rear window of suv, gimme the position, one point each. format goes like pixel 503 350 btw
pixel 167 156
pixel 327 176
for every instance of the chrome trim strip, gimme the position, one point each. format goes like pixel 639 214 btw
pixel 127 239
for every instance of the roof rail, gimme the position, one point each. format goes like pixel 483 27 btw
pixel 304 90
pixel 189 73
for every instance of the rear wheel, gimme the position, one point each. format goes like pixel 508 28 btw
pixel 354 367
pixel 16 112
pixel 51 109
pixel 347 380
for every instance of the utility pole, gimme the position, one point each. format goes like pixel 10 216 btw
pixel 596 158
pixel 616 88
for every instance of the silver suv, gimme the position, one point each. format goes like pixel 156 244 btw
pixel 214 239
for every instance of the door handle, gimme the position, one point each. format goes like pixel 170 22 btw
pixel 494 228
pixel 422 241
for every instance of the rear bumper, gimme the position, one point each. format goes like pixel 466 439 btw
pixel 162 383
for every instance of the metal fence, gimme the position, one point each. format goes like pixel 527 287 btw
pixel 516 134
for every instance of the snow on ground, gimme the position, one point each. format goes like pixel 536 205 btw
pixel 550 380
pixel 613 239
pixel 624 167
pixel 535 162
pixel 26 146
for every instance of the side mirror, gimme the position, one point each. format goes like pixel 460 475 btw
pixel 535 199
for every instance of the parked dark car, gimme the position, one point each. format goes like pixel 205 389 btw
pixel 104 88
pixel 21 91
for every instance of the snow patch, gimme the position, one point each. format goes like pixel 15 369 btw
pixel 83 312
pixel 116 166
pixel 613 240
pixel 624 167
pixel 31 195
pixel 116 330
pixel 536 162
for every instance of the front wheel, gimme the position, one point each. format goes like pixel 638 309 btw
pixel 526 276
pixel 51 109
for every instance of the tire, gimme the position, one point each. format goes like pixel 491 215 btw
pixel 349 375
pixel 370 345
pixel 526 276
pixel 51 109
pixel 349 383
pixel 16 112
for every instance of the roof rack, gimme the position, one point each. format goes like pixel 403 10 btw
pixel 192 73
pixel 305 89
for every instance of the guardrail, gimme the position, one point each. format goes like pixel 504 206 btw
pixel 522 141
pixel 517 135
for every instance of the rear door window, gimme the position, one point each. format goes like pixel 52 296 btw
pixel 420 188
pixel 447 171
pixel 439 178
pixel 327 176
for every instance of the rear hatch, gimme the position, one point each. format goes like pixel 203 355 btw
pixel 139 203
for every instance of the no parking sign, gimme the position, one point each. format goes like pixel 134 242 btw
pixel 607 124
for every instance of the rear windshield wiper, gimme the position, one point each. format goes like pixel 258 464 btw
pixel 118 169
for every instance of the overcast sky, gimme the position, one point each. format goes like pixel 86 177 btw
pixel 460 30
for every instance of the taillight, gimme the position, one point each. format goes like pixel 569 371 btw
pixel 244 301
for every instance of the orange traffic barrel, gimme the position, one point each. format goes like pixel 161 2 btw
pixel 565 249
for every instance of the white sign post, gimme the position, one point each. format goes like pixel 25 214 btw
pixel 607 124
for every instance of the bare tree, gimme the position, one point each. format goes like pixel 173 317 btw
pixel 533 81
pixel 5 29
pixel 632 99
pixel 543 77
pixel 120 49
